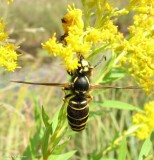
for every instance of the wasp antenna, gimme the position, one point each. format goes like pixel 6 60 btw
pixel 102 58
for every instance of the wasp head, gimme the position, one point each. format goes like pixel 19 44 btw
pixel 84 68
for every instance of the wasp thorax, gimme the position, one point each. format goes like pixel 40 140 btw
pixel 81 85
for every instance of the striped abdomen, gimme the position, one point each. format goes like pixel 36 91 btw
pixel 77 113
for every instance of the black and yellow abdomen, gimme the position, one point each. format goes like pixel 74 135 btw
pixel 77 112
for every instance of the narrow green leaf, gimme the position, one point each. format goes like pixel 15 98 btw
pixel 46 139
pixel 60 147
pixel 32 148
pixel 64 156
pixel 152 136
pixel 37 116
pixel 59 128
pixel 97 50
pixel 132 129
pixel 114 74
pixel 61 124
pixel 123 150
pixel 95 156
pixel 45 118
pixel 115 105
pixel 35 143
pixel 55 120
pixel 146 147
pixel 96 113
pixel 35 140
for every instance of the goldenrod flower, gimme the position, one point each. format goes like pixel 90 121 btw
pixel 70 59
pixel 140 51
pixel 66 53
pixel 94 35
pixel 3 35
pixel 75 44
pixel 78 43
pixel 52 46
pixel 80 40
pixel 145 121
pixel 8 56
pixel 141 3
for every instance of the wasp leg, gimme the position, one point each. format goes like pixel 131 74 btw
pixel 69 87
pixel 69 95
pixel 66 89
pixel 90 98
pixel 66 94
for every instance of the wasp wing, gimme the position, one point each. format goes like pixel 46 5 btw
pixel 65 85
pixel 113 87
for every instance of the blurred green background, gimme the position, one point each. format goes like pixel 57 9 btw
pixel 30 23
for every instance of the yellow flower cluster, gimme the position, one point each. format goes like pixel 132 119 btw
pixel 108 34
pixel 80 41
pixel 3 35
pixel 145 121
pixel 8 56
pixel 141 3
pixel 140 51
pixel 73 27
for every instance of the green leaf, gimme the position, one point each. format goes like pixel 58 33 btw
pixel 152 136
pixel 55 120
pixel 31 152
pixel 35 140
pixel 97 50
pixel 60 147
pixel 115 105
pixel 61 125
pixel 146 147
pixel 123 150
pixel 96 113
pixel 46 139
pixel 61 117
pixel 45 118
pixel 64 156
pixel 32 148
pixel 59 129
pixel 114 74
pixel 95 155
pixel 37 116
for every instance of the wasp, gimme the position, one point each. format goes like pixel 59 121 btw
pixel 80 97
